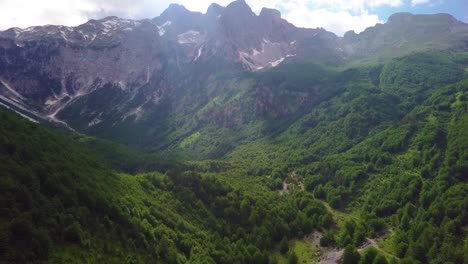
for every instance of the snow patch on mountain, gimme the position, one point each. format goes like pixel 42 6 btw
pixel 189 37
pixel 111 24
pixel 137 112
pixel 89 37
pixel 200 51
pixel 277 62
pixel 50 101
pixel 94 122
pixel 114 23
pixel 162 28
pixel 270 55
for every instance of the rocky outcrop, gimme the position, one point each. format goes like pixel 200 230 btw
pixel 112 71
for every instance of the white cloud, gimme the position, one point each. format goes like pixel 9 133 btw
pixel 338 22
pixel 334 15
pixel 22 13
pixel 419 2
pixel 337 16
pixel 25 13
pixel 200 5
pixel 392 3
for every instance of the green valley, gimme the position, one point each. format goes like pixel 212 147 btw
pixel 378 155
pixel 233 136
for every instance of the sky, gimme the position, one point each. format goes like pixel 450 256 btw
pixel 337 16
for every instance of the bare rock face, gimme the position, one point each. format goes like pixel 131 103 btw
pixel 119 72
pixel 51 68
pixel 61 64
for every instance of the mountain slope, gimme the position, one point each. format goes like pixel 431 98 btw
pixel 259 131
pixel 386 152
pixel 80 75
pixel 60 204
pixel 388 148
pixel 404 33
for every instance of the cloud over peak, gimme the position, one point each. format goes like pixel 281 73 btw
pixel 337 16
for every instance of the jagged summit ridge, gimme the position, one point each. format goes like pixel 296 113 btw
pixel 270 13
pixel 135 59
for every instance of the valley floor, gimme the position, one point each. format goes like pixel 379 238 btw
pixel 309 250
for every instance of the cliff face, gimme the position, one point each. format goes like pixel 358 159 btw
pixel 121 73
pixel 49 68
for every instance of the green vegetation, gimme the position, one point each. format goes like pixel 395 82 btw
pixel 190 140
pixel 303 251
pixel 383 151
pixel 284 247
pixel 58 203
pixel 350 255
pixel 372 151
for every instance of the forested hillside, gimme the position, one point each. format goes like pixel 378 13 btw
pixel 378 150
pixel 234 136
pixel 61 205
pixel 391 148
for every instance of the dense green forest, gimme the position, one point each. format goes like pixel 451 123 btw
pixel 59 203
pixel 380 151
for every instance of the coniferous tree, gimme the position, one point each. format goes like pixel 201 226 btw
pixel 284 246
pixel 350 255
pixel 292 258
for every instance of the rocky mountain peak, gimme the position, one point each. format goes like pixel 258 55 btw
pixel 239 8
pixel 175 11
pixel 350 36
pixel 400 18
pixel 215 10
pixel 137 58
pixel 271 14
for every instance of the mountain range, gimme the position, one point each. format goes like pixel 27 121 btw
pixel 116 73
pixel 234 137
